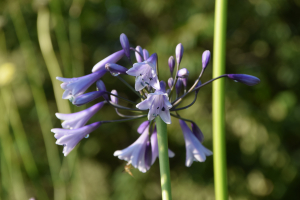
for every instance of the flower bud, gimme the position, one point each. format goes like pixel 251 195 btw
pixel 146 54
pixel 115 69
pixel 125 44
pixel 178 86
pixel 138 55
pixel 183 73
pixel 205 59
pixel 101 87
pixel 113 58
pixel 114 99
pixel 171 63
pixel 197 132
pixel 179 53
pixel 87 97
pixel 163 86
pixel 244 78
pixel 170 82
pixel 143 126
pixel 184 82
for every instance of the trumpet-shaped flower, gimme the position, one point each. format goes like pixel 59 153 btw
pixel 76 86
pixel 195 151
pixel 136 153
pixel 88 97
pixel 113 58
pixel 79 119
pixel 69 138
pixel 158 104
pixel 244 78
pixel 145 73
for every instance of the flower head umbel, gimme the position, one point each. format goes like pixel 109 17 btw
pixel 153 99
pixel 69 138
pixel 145 73
pixel 158 104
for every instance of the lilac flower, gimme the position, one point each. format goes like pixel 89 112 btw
pixel 77 86
pixel 244 78
pixel 136 153
pixel 205 59
pixel 101 87
pixel 143 126
pixel 145 73
pixel 154 145
pixel 79 119
pixel 183 73
pixel 179 53
pixel 170 82
pixel 195 151
pixel 70 138
pixel 125 45
pixel 158 104
pixel 178 86
pixel 87 97
pixel 171 63
pixel 138 55
pixel 113 58
pixel 197 132
pixel 115 69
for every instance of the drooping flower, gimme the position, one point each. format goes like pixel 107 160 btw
pixel 115 69
pixel 244 78
pixel 113 58
pixel 143 126
pixel 154 145
pixel 195 151
pixel 69 138
pixel 79 119
pixel 158 104
pixel 77 86
pixel 136 153
pixel 197 132
pixel 145 73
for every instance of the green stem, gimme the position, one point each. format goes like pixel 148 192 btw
pixel 162 139
pixel 219 149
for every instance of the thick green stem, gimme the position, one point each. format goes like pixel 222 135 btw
pixel 162 139
pixel 219 149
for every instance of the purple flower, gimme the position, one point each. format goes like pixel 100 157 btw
pixel 115 69
pixel 87 97
pixel 205 59
pixel 179 53
pixel 197 132
pixel 143 126
pixel 70 138
pixel 146 54
pixel 79 119
pixel 77 86
pixel 171 63
pixel 170 82
pixel 195 151
pixel 183 73
pixel 244 78
pixel 158 104
pixel 145 73
pixel 138 55
pixel 178 86
pixel 154 145
pixel 136 153
pixel 114 99
pixel 113 58
pixel 125 45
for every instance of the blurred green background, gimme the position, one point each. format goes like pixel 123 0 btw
pixel 39 40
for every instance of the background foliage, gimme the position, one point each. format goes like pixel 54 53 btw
pixel 263 154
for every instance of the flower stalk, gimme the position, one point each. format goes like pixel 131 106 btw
pixel 218 125
pixel 164 167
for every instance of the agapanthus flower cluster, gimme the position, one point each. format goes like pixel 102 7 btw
pixel 155 99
